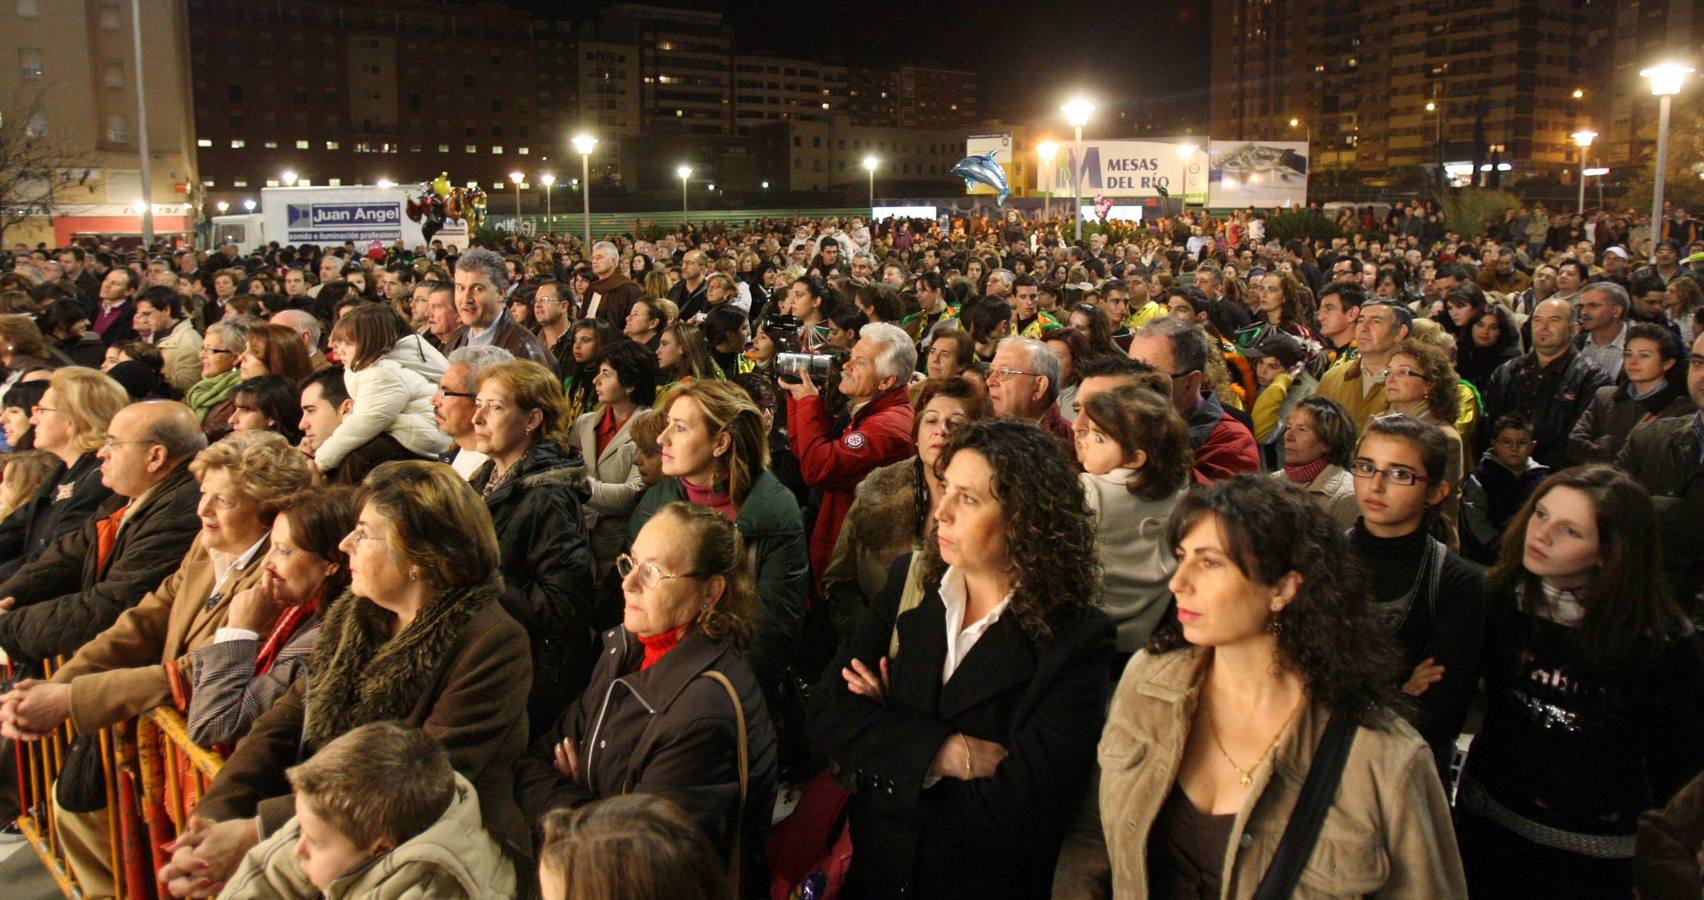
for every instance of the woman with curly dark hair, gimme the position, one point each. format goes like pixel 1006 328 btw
pixel 1493 338
pixel 1213 729
pixel 1593 677
pixel 972 740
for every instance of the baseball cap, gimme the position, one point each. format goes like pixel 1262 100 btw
pixel 1617 251
pixel 1278 345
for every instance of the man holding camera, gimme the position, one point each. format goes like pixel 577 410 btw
pixel 834 457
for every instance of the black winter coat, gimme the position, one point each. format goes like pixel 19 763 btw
pixel 666 731
pixel 546 564
pixel 57 509
pixel 1044 701
pixel 65 597
pixel 1553 397
pixel 1664 455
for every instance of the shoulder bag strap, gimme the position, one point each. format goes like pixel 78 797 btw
pixel 736 860
pixel 910 597
pixel 1297 844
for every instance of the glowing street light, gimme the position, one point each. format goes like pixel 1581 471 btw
pixel 1583 139
pixel 517 178
pixel 547 179
pixel 870 164
pixel 289 178
pixel 1077 111
pixel 1047 150
pixel 585 143
pixel 386 183
pixel 248 205
pixel 1666 79
pixel 222 206
pixel 684 172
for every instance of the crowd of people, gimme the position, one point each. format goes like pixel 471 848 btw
pixel 940 558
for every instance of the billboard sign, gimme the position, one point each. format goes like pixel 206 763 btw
pixel 1263 174
pixel 1117 169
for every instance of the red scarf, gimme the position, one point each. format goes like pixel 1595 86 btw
pixel 658 645
pixel 289 622
pixel 710 497
pixel 1306 472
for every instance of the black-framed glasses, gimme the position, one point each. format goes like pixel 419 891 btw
pixel 1397 475
pixel 650 574
pixel 462 394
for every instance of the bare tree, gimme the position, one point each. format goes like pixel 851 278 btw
pixel 36 165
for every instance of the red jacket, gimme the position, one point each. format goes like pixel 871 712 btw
pixel 878 434
pixel 1224 447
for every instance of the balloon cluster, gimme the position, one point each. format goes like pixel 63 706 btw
pixel 438 202
pixel 1103 207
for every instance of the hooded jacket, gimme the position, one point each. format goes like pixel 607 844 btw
pixel 547 572
pixel 459 671
pixel 452 859
pixel 66 596
pixel 392 396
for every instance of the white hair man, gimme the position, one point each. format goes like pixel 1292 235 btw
pixel 878 431
pixel 308 329
pixel 613 293
pixel 453 406
pixel 1023 384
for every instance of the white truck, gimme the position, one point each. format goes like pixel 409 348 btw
pixel 328 216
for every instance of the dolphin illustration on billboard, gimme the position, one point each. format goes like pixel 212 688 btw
pixel 984 170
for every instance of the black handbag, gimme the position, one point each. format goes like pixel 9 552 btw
pixel 82 779
pixel 1302 831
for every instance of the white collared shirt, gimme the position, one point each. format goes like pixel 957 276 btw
pixel 224 566
pixel 961 637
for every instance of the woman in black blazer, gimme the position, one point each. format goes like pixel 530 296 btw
pixel 973 736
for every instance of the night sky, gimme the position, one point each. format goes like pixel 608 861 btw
pixel 1029 55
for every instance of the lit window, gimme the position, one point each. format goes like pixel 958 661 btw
pixel 522 151
pixel 238 144
pixel 271 182
pixel 207 183
pixel 240 183
pixel 331 145
pixel 29 9
pixel 203 142
pixel 335 182
pixel 496 151
pixel 471 148
pixel 270 145
pixel 301 145
pixel 443 148
pixel 29 61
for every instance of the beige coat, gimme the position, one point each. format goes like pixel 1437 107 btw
pixel 181 349
pixel 1387 834
pixel 1333 491
pixel 615 486
pixel 122 671
pixel 453 858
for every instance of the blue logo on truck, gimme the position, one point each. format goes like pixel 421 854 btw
pixel 331 216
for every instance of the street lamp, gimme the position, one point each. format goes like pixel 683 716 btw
pixel 1186 152
pixel 1077 112
pixel 289 178
pixel 1583 140
pixel 870 163
pixel 1047 150
pixel 248 205
pixel 517 178
pixel 547 179
pixel 222 206
pixel 1666 79
pixel 684 172
pixel 584 143
pixel 386 183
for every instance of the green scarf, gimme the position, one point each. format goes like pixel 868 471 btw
pixel 208 392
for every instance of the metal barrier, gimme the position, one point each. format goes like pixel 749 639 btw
pixel 153 774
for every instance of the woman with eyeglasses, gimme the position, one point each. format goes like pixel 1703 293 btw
pixel 532 482
pixel 69 421
pixel 420 637
pixel 1595 693
pixel 1421 382
pixel 1431 599
pixel 715 453
pixel 222 348
pixel 657 717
